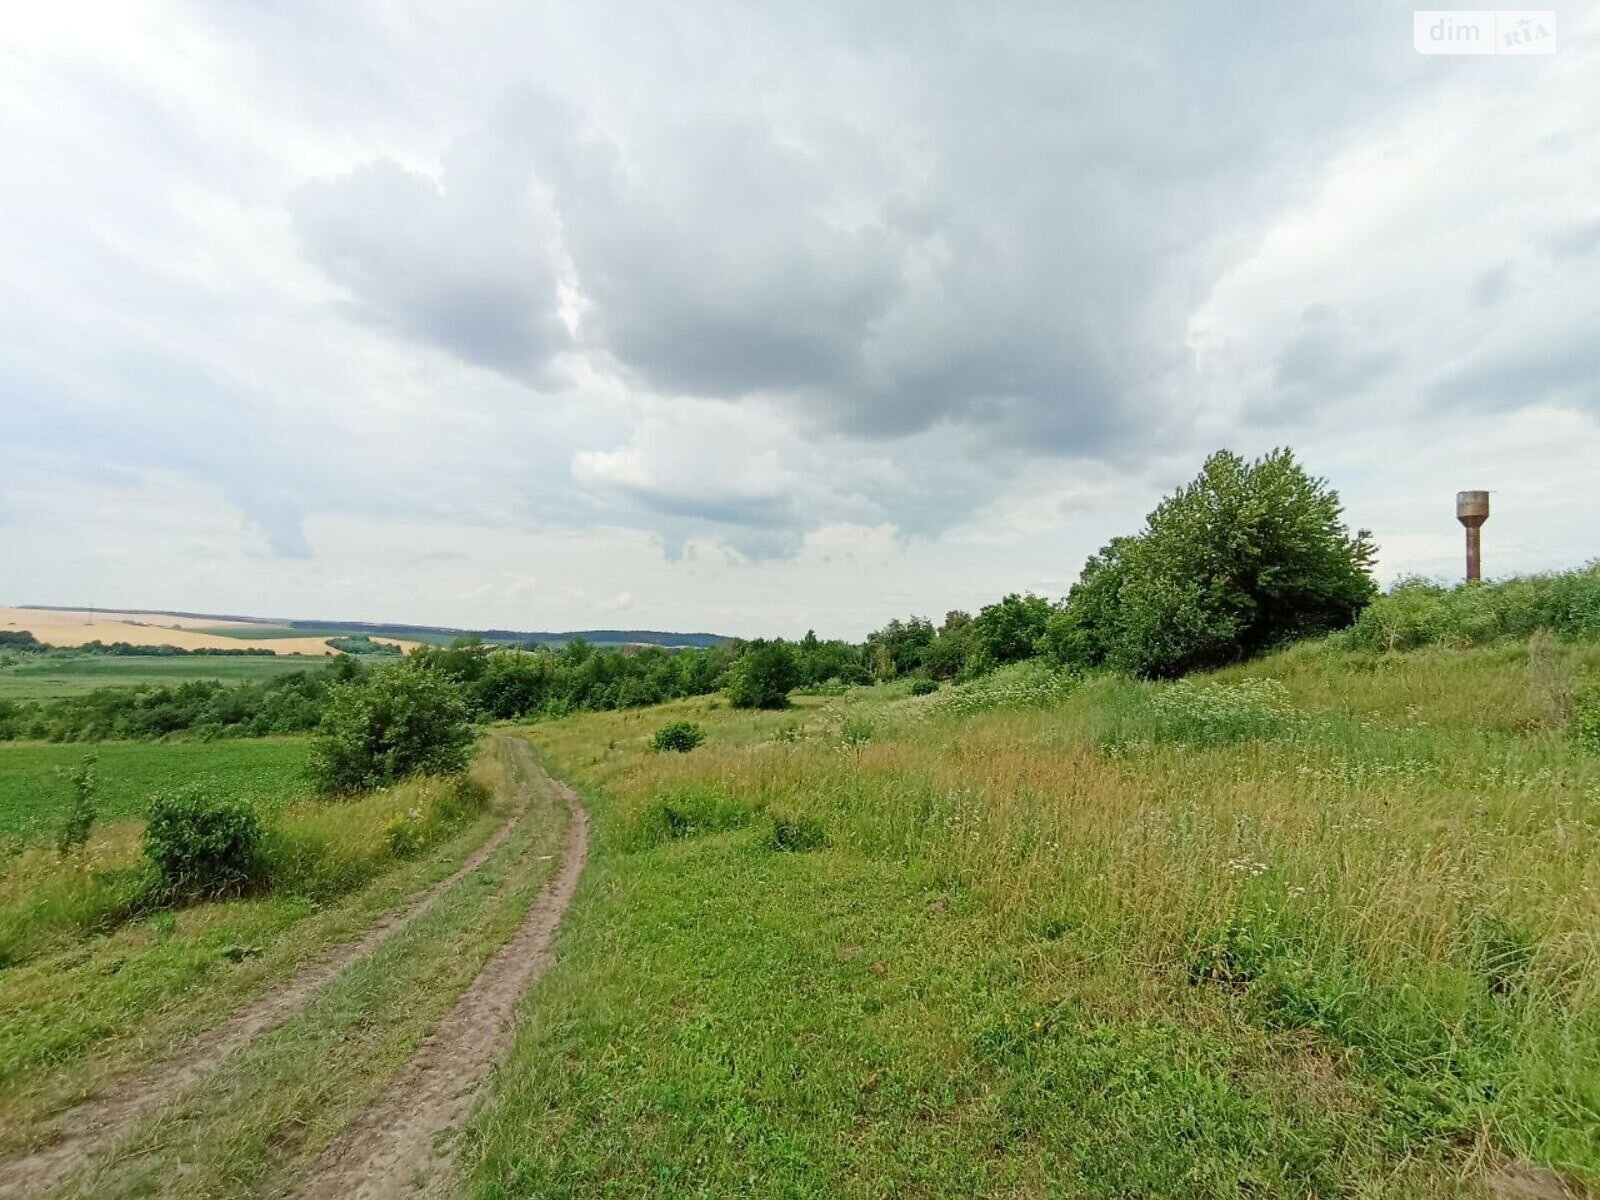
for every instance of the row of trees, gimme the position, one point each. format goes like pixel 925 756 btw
pixel 24 642
pixel 1248 556
pixel 291 703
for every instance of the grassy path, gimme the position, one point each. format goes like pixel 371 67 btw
pixel 80 1129
pixel 253 1106
pixel 396 1142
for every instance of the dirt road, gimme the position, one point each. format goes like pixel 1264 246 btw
pixel 435 1088
pixel 393 1150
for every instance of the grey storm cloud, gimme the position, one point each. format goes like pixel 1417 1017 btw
pixel 1328 358
pixel 1566 374
pixel 1009 238
pixel 758 277
pixel 461 263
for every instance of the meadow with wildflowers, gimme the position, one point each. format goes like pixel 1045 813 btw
pixel 1325 924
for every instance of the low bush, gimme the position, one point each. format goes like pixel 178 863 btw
pixel 1130 716
pixel 290 703
pixel 1586 720
pixel 406 833
pixel 1218 714
pixel 854 734
pixel 687 812
pixel 797 834
pixel 1439 1045
pixel 202 844
pixel 680 737
pixel 1418 612
pixel 82 810
pixel 923 687
pixel 44 899
pixel 311 849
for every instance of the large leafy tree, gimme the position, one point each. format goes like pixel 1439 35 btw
pixel 898 648
pixel 764 675
pixel 1009 629
pixel 1245 557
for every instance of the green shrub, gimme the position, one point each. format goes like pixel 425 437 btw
pixel 1420 612
pixel 401 721
pixel 680 737
pixel 360 643
pixel 923 687
pixel 461 798
pixel 443 806
pixel 797 834
pixel 764 676
pixel 855 733
pixel 202 844
pixel 322 851
pixel 1586 720
pixel 1246 557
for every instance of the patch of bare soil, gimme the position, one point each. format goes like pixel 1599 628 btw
pixel 84 1128
pixel 393 1149
pixel 1523 1181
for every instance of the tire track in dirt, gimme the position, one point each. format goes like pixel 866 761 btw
pixel 84 1128
pixel 385 1151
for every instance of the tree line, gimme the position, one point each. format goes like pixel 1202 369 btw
pixel 24 642
pixel 1248 556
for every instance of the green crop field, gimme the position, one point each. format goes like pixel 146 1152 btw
pixel 34 789
pixel 50 676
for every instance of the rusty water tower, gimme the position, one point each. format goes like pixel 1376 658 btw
pixel 1472 510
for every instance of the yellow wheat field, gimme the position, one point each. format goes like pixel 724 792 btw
pixel 75 627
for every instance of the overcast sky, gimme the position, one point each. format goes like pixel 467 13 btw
pixel 753 318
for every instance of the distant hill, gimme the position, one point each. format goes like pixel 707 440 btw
pixel 265 627
pixel 600 637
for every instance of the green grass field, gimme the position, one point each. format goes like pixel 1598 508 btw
pixel 1327 925
pixel 49 677
pixel 1324 925
pixel 34 789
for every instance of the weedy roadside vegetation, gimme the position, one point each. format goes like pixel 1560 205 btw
pixel 154 929
pixel 203 839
